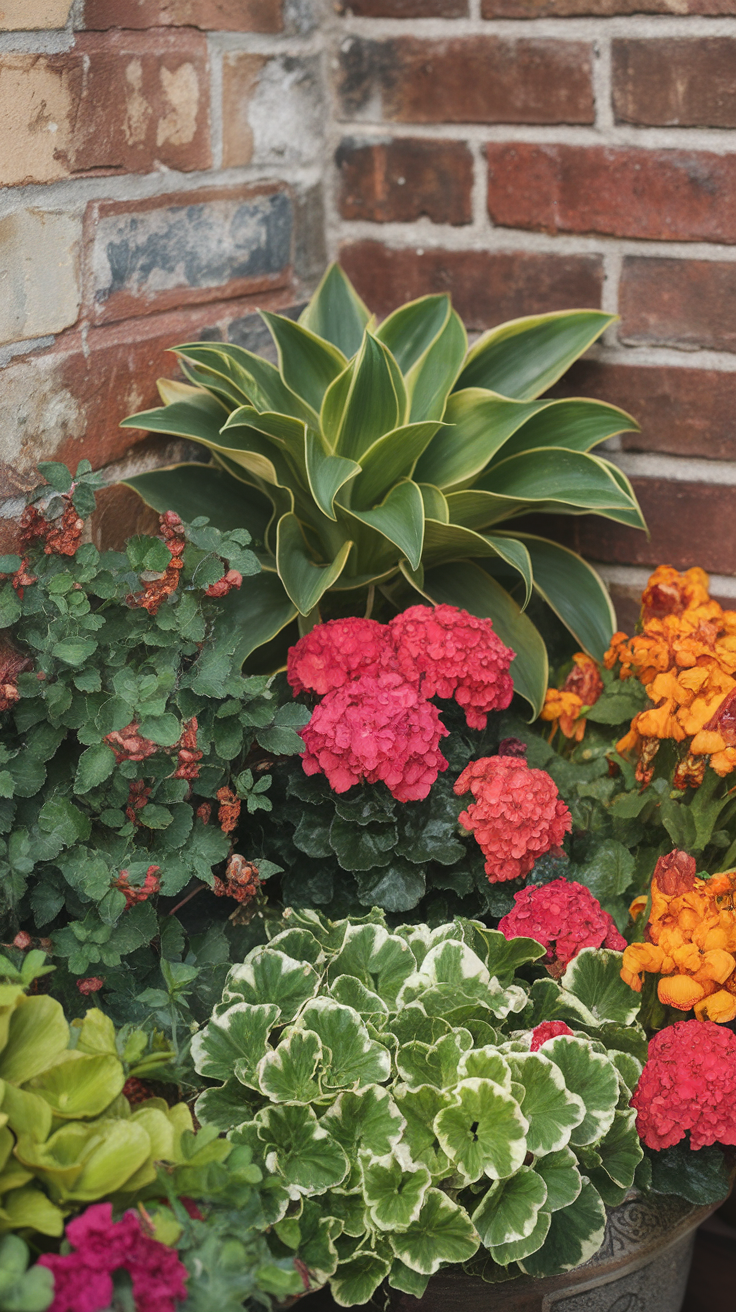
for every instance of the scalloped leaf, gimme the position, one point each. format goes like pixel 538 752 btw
pixel 593 1078
pixel 267 975
pixel 393 1191
pixel 355 1058
pixel 551 1109
pixel 443 1232
pixel 483 1131
pixel 236 1036
pixel 510 1208
pixel 300 1150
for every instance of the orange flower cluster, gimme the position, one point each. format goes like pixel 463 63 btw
pixel 565 706
pixel 691 940
pixel 160 584
pixel 685 657
pixel 60 536
pixel 241 880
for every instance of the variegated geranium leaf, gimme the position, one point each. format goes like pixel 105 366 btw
pixel 409 1282
pixel 509 1210
pixel 621 1151
pixel 381 961
pixel 357 1279
pixel 437 1063
pixel 560 1173
pixel 290 1072
pixel 352 993
pixel 516 1249
pixel 300 944
pixel 575 1234
pixel 593 1078
pixel 300 1150
pixel 351 1057
pixel 393 1190
pixel 483 1130
pixel 368 1120
pixel 236 1038
pixel 485 1063
pixel 420 1107
pixel 271 976
pixel 593 977
pixel 224 1107
pixel 443 1232
pixel 551 1109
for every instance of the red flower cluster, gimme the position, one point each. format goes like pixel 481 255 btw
pixel 228 810
pixel 151 885
pixel 83 1279
pixel 376 728
pixel 162 584
pixel 688 1083
pixel 128 745
pixel 60 536
pixel 541 1034
pixel 92 984
pixel 138 795
pixel 337 652
pixel 188 756
pixel 517 814
pixel 565 918
pixel 224 585
pixel 241 880
pixel 454 654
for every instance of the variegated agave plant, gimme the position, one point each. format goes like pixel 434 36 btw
pixel 393 458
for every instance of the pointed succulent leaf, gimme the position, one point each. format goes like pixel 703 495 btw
pixel 380 960
pixel 524 357
pixel 466 585
pixel 551 1109
pixel 290 1072
pixel 304 581
pixel 621 1150
pixel 483 1131
pixel 192 490
pixel 594 978
pixel 393 1191
pixel 271 976
pixel 480 424
pixel 411 329
pixel 326 473
pixel 399 519
pixel 419 1108
pixel 442 1233
pixel 375 402
pixel 336 312
pixel 237 1037
pixel 367 1121
pixel 593 1078
pixel 356 1280
pixel 300 1150
pixel 308 363
pixel 356 1059
pixel 82 1086
pixel 577 424
pixel 430 380
pixel 37 1034
pixel 574 590
pixel 390 458
pixel 575 1235
pixel 446 540
pixel 560 1173
pixel 256 614
pixel 200 417
pixel 510 1208
pixel 421 1063
pixel 257 379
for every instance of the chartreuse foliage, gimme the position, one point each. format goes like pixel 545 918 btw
pixel 386 1078
pixel 22 1290
pixel 393 457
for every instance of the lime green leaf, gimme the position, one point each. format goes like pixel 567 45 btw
pixel 29 1209
pixel 593 1078
pixel 443 1232
pixel 356 1058
pixel 394 1192
pixel 551 1109
pixel 466 585
pixel 304 581
pixel 575 1235
pixel 483 1131
pixel 576 593
pixel 594 978
pixel 288 1073
pixel 37 1034
pixel 237 1037
pixel 560 1173
pixel 271 976
pixel 375 403
pixel 307 362
pixel 356 1281
pixel 481 424
pixel 389 459
pixel 399 519
pixel 366 1121
pixel 431 378
pixel 300 1149
pixel 510 1208
pixel 80 1086
pixel 523 357
pixel 336 312
pixel 326 474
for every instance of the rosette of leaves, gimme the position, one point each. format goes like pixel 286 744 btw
pixel 392 457
pixel 100 663
pixel 386 1077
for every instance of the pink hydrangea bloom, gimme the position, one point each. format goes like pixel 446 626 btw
pixel 83 1279
pixel 688 1083
pixel 548 1029
pixel 335 653
pixel 376 728
pixel 564 917
pixel 454 654
pixel 517 814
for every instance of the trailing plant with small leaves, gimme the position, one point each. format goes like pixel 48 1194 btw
pixel 130 742
pixel 404 1088
pixel 393 458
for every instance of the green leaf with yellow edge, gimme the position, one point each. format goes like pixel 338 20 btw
pixel 399 519
pixel 308 363
pixel 336 313
pixel 524 357
pixel 409 331
pixel 304 581
pixel 375 401
pixel 326 473
pixel 480 424
pixel 431 377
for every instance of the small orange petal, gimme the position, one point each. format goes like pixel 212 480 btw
pixel 679 991
pixel 719 1007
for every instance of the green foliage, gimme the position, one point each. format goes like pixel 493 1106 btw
pixel 393 458
pixel 386 1078
pixel 21 1289
pixel 79 809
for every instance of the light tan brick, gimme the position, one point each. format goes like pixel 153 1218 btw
pixel 39 274
pixel 27 15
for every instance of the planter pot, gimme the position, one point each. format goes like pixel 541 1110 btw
pixel 642 1266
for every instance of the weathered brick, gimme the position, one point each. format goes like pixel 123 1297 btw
pixel 39 273
pixel 209 15
pixel 676 195
pixel 480 79
pixel 404 178
pixel 29 15
pixel 675 82
pixel 405 8
pixel 685 303
pixel 272 109
pixel 118 102
pixel 682 411
pixel 487 287
pixel 601 8
pixel 67 403
pixel 181 249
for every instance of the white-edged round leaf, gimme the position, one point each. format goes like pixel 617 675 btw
pixel 483 1131
pixel 443 1232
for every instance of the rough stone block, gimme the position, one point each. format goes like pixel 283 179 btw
pixel 272 108
pixel 185 248
pixel 401 180
pixel 210 15
pixel 39 274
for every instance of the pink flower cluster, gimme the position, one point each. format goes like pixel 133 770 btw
pixel 375 721
pixel 565 918
pixel 688 1083
pixel 517 814
pixel 83 1279
pixel 548 1029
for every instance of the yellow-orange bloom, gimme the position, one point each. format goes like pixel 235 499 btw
pixel 719 1007
pixel 679 991
pixel 582 688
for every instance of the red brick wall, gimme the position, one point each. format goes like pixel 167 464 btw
pixel 530 155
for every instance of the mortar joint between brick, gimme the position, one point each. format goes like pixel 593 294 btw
pixel 216 108
pixel 601 77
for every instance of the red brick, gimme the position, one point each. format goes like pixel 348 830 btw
pixel 682 411
pixel 405 8
pixel 118 102
pixel 677 195
pixel 601 8
pixel 67 403
pixel 186 248
pixel 487 287
pixel 404 179
pixel 685 303
pixel 209 15
pixel 685 83
pixel 479 79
